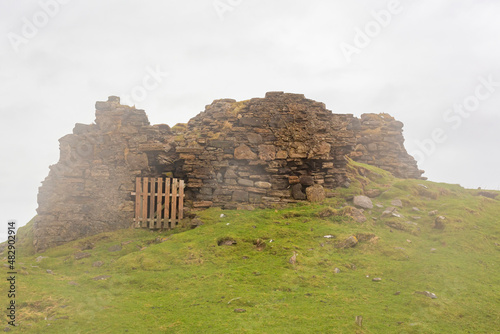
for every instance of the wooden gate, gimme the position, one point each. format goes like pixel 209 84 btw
pixel 159 202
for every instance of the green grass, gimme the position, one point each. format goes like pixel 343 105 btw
pixel 190 284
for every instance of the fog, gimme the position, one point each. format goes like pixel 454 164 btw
pixel 433 65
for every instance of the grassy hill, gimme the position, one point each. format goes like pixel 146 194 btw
pixel 233 274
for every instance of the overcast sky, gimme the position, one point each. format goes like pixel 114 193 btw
pixel 435 65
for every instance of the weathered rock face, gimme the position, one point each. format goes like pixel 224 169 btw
pixel 257 153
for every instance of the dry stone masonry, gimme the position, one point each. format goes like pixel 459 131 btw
pixel 380 142
pixel 258 153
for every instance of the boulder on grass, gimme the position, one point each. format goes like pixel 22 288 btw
pixel 315 193
pixel 363 202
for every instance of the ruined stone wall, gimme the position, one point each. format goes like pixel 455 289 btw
pixel 254 152
pixel 380 142
pixel 257 153
pixel 88 190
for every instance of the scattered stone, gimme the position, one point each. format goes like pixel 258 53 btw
pixel 397 293
pixel 126 242
pixel 397 202
pixel 97 264
pixel 388 211
pixel 423 186
pixel 433 212
pixel 372 193
pixel 336 271
pixel 101 277
pixel 427 294
pixel 82 255
pixel 376 279
pixel 363 202
pixel 40 258
pixel 357 215
pixel 223 215
pixel 239 310
pixel 359 320
pixel 408 241
pixel 115 248
pixel 415 208
pixel 86 246
pixel 49 272
pixel 397 226
pixel 433 250
pixel 72 283
pixel 293 259
pixel 416 218
pixel 259 244
pixel 315 193
pixel 439 223
pixel 348 243
pixel 160 240
pixel 195 222
pixel 362 237
pixel 380 206
pixel 226 242
pixel 329 236
pixel 327 212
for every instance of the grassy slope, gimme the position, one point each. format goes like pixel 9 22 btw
pixel 189 284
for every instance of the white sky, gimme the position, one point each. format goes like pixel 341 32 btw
pixel 430 57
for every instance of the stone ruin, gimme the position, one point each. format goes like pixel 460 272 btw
pixel 259 153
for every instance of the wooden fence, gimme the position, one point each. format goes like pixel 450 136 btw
pixel 159 202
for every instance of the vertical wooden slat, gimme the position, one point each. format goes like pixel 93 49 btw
pixel 159 197
pixel 167 203
pixel 158 208
pixel 174 203
pixel 181 199
pixel 138 194
pixel 144 215
pixel 152 204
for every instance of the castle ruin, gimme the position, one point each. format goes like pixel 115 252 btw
pixel 236 155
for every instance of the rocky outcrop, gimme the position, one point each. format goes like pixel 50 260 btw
pixel 262 152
